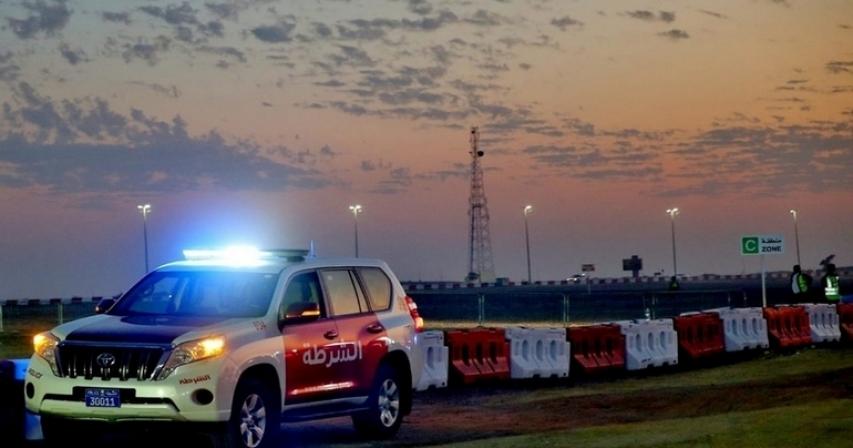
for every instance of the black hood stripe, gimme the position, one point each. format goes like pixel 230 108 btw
pixel 140 329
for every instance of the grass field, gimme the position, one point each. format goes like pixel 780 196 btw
pixel 802 399
pixel 827 423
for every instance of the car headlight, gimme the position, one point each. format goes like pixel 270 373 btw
pixel 45 345
pixel 190 352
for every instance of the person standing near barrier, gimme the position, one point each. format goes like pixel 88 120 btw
pixel 801 282
pixel 830 284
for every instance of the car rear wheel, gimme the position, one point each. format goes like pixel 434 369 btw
pixel 255 418
pixel 385 414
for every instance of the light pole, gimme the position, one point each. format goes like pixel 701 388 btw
pixel 528 209
pixel 356 210
pixel 672 212
pixel 796 234
pixel 145 209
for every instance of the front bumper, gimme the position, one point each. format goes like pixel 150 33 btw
pixel 172 399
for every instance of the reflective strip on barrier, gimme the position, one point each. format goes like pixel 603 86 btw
pixel 700 335
pixel 435 356
pixel 823 322
pixel 788 326
pixel 649 343
pixel 478 354
pixel 538 352
pixel 597 348
pixel 744 328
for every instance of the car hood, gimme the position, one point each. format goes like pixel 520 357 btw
pixel 136 329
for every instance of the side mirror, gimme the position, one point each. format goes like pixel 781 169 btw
pixel 104 305
pixel 299 313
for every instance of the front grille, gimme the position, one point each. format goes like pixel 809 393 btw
pixel 128 363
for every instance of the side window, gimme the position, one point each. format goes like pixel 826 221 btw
pixel 343 297
pixel 302 288
pixel 378 288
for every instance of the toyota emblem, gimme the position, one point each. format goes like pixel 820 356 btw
pixel 106 360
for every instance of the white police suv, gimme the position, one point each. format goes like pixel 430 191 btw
pixel 238 341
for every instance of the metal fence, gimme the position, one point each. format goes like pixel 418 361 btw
pixel 449 308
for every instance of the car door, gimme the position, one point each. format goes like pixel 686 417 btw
pixel 308 342
pixel 361 332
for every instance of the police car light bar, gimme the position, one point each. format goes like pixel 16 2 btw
pixel 244 254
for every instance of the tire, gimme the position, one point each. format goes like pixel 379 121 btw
pixel 385 414
pixel 255 418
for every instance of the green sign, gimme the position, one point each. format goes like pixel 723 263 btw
pixel 762 245
pixel 749 245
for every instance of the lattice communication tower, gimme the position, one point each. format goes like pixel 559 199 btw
pixel 481 265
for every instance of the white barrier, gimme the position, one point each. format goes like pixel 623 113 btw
pixel 538 352
pixel 823 322
pixel 649 343
pixel 744 328
pixel 435 355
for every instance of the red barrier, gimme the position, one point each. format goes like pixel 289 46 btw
pixel 700 335
pixel 597 348
pixel 478 354
pixel 845 318
pixel 788 326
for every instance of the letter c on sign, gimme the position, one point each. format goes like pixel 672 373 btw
pixel 750 245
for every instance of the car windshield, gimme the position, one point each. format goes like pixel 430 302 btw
pixel 193 293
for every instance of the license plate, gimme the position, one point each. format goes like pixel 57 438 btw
pixel 103 398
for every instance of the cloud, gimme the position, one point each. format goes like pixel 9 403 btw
pixel 713 14
pixel 837 67
pixel 398 180
pixel 375 29
pixel 170 91
pixel 277 33
pixel 455 171
pixel 73 57
pixel 86 146
pixel 145 50
pixel 563 23
pixel 650 16
pixel 228 52
pixel 351 56
pixel 768 159
pixel 622 161
pixel 487 18
pixel 330 83
pixel 47 17
pixel 172 14
pixel 675 34
pixel 9 71
pixel 116 17
pixel 420 7
pixel 184 20
pixel 224 10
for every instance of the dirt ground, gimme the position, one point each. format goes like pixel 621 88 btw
pixel 457 414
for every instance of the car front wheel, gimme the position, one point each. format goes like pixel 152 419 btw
pixel 255 418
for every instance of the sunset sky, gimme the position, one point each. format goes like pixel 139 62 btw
pixel 259 122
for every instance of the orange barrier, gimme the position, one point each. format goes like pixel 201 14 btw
pixel 700 335
pixel 845 318
pixel 597 348
pixel 788 326
pixel 478 354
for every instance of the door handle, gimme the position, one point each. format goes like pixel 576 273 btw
pixel 375 328
pixel 331 334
